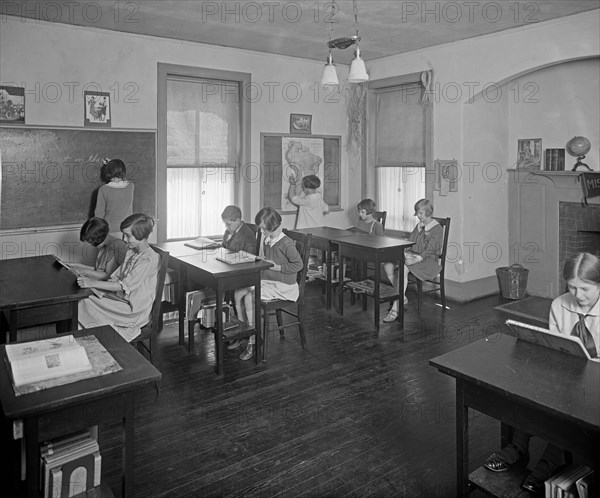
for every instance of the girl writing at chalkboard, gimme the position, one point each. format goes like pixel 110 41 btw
pixel 115 199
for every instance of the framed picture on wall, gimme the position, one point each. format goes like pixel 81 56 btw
pixel 301 123
pixel 96 111
pixel 529 153
pixel 12 104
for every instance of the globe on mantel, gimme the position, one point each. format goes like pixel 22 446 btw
pixel 578 147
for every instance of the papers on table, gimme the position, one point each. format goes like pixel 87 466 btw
pixel 203 243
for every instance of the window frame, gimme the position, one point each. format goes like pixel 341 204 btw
pixel 369 171
pixel 166 71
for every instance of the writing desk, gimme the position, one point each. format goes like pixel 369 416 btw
pixel 323 240
pixel 61 410
pixel 200 267
pixel 37 290
pixel 377 250
pixel 542 392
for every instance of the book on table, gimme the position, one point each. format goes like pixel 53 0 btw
pixel 236 257
pixel 37 361
pixel 203 243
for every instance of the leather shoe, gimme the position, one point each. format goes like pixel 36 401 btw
pixel 247 353
pixel 496 464
pixel 533 485
pixel 391 316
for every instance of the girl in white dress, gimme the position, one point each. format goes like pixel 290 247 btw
pixel 132 285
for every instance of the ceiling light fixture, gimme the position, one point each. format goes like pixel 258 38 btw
pixel 358 70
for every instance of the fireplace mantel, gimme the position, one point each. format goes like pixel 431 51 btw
pixel 533 231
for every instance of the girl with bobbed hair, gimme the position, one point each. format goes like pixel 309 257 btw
pixel 111 251
pixel 279 281
pixel 422 259
pixel 131 287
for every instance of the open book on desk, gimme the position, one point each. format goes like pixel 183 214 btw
pixel 66 265
pixel 544 337
pixel 203 243
pixel 236 257
pixel 109 295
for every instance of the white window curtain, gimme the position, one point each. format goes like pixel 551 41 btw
pixel 203 151
pixel 400 153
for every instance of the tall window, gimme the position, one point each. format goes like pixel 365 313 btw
pixel 203 141
pixel 400 152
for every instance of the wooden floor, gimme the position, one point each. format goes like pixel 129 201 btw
pixel 355 414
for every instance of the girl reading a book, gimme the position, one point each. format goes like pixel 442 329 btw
pixel 125 300
pixel 278 282
pixel 111 251
pixel 576 313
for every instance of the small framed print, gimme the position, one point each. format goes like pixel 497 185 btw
pixel 96 110
pixel 529 153
pixel 301 123
pixel 12 104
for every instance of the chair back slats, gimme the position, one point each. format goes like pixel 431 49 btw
pixel 150 330
pixel 303 247
pixel 445 224
pixel 258 234
pixel 380 216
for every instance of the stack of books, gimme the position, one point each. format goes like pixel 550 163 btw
pixel 69 465
pixel 573 482
pixel 554 160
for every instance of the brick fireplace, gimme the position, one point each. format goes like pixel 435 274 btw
pixel 579 230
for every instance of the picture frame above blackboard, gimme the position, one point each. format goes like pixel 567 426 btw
pixel 12 104
pixel 311 154
pixel 96 109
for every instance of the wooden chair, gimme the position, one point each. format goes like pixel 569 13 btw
pixel 438 280
pixel 258 233
pixel 380 216
pixel 147 337
pixel 279 306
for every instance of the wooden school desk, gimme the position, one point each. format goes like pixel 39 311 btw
pixel 61 410
pixel 377 250
pixel 323 240
pixel 37 290
pixel 542 392
pixel 199 268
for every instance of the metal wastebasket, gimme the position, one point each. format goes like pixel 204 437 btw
pixel 513 281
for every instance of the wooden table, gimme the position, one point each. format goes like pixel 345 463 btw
pixel 364 247
pixel 534 310
pixel 34 291
pixel 542 392
pixel 323 239
pixel 65 409
pixel 200 268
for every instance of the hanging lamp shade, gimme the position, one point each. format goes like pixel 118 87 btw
pixel 330 76
pixel 358 70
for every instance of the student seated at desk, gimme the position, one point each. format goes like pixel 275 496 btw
pixel 134 282
pixel 111 251
pixel 421 259
pixel 238 236
pixel 366 208
pixel 576 313
pixel 279 281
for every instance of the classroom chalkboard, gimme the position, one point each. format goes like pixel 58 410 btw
pixel 50 176
pixel 314 154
